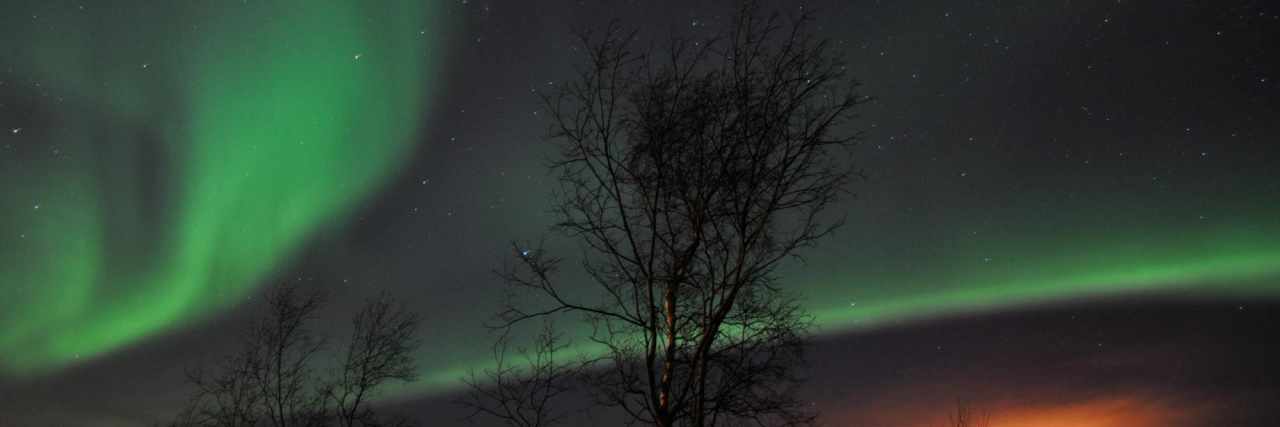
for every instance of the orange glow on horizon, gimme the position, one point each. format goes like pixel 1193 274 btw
pixel 1107 412
pixel 1131 410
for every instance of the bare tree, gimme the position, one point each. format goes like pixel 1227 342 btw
pixel 271 381
pixel 383 341
pixel 281 347
pixel 226 398
pixel 687 175
pixel 966 415
pixel 268 379
pixel 521 393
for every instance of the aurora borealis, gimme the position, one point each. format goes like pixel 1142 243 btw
pixel 178 163
pixel 163 162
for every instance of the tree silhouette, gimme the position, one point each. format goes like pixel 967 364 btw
pixel 271 380
pixel 968 416
pixel 521 393
pixel 281 347
pixel 227 397
pixel 268 380
pixel 383 340
pixel 687 174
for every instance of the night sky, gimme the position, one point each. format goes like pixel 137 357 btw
pixel 1071 214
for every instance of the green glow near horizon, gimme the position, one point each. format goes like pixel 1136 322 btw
pixel 1225 259
pixel 231 134
pixel 1231 259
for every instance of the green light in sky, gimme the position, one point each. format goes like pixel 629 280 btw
pixel 182 151
pixel 1229 258
pixel 1238 257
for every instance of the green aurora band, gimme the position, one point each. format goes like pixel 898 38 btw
pixel 268 120
pixel 1235 257
pixel 1238 259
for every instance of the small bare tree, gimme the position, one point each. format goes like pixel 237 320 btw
pixel 383 341
pixel 226 398
pixel 521 393
pixel 281 347
pixel 268 380
pixel 966 415
pixel 271 381
pixel 688 174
